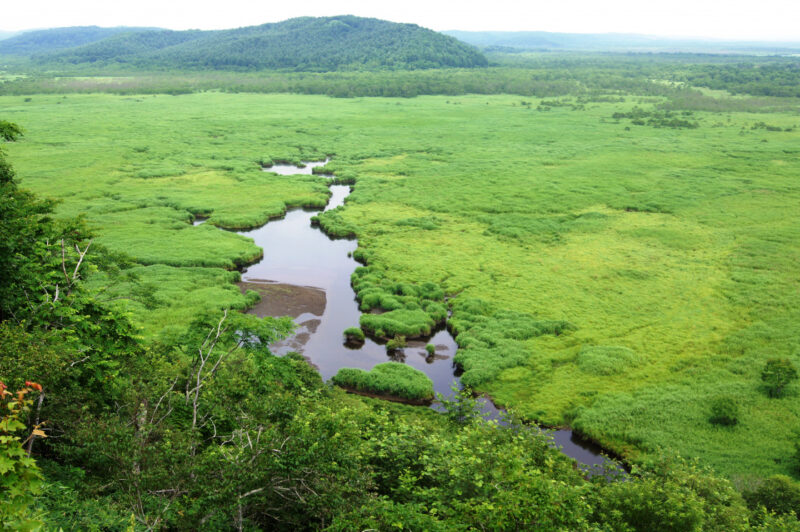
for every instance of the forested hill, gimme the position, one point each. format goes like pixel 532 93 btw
pixel 303 44
pixel 45 41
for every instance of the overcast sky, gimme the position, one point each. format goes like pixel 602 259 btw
pixel 721 19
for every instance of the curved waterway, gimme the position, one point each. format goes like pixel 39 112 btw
pixel 306 275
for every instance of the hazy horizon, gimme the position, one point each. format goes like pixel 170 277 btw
pixel 794 40
pixel 738 20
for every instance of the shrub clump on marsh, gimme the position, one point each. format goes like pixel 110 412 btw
pixel 724 411
pixel 391 379
pixel 412 310
pixel 354 335
pixel 491 340
pixel 777 374
pixel 398 342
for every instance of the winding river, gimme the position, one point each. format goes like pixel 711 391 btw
pixel 309 280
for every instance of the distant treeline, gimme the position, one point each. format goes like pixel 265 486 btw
pixel 589 77
pixel 771 79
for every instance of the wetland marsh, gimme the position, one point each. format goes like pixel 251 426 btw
pixel 607 275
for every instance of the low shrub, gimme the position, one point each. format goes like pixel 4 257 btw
pixel 398 342
pixel 724 411
pixel 778 493
pixel 354 335
pixel 777 374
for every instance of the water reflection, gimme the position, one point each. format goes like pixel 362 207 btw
pixel 290 169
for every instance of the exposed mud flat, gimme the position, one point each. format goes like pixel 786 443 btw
pixel 281 299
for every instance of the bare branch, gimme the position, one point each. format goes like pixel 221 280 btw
pixel 251 492
pixel 160 399
pixel 81 255
pixel 84 359
pixel 35 423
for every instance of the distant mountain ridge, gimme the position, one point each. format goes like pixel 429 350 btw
pixel 612 42
pixel 303 44
pixel 42 41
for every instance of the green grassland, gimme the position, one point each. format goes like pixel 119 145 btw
pixel 612 276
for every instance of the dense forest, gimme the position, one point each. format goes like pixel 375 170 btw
pixel 301 44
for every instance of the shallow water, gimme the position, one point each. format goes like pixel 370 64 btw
pixel 306 274
pixel 290 169
pixel 296 253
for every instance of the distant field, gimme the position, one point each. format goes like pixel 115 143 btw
pixel 614 276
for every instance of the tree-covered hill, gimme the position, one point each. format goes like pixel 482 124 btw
pixel 304 44
pixel 51 40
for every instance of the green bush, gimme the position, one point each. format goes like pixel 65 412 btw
pixel 724 411
pixel 778 493
pixel 398 342
pixel 354 334
pixel 390 379
pixel 777 374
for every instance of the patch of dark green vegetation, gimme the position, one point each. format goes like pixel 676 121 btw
pixel 769 79
pixel 549 229
pixel 391 379
pixel 654 118
pixel 724 411
pixel 492 340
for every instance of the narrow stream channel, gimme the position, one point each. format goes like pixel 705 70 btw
pixel 309 280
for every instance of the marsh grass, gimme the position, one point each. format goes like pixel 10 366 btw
pixel 389 379
pixel 547 231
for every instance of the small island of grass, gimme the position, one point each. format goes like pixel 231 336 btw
pixel 389 380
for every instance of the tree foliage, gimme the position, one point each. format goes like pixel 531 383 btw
pixel 20 478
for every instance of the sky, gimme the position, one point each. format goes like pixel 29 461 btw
pixel 775 20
